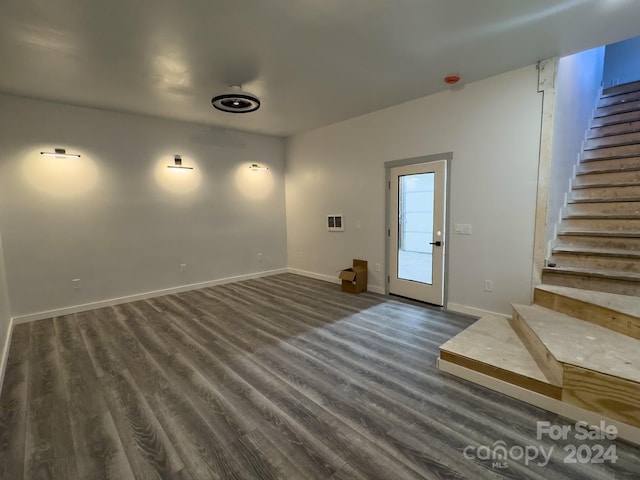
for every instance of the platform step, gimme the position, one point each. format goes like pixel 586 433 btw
pixel 626 193
pixel 607 224
pixel 614 209
pixel 620 177
pixel 595 259
pixel 620 89
pixel 623 283
pixel 605 153
pixel 625 97
pixel 615 129
pixel 491 346
pixel 613 140
pixel 615 240
pixel 609 165
pixel 617 109
pixel 615 119
pixel 600 367
pixel 620 313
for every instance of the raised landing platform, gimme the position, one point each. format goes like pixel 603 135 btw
pixel 581 364
pixel 492 347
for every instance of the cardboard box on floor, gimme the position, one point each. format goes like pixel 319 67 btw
pixel 354 279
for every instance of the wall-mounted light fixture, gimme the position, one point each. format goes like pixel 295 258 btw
pixel 60 153
pixel 177 163
pixel 256 168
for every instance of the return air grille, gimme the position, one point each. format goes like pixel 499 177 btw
pixel 335 223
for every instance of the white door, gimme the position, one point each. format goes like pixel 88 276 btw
pixel 417 240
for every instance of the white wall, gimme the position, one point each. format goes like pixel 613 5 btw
pixel 622 62
pixel 577 88
pixel 117 218
pixel 493 129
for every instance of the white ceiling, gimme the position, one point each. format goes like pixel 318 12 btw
pixel 312 62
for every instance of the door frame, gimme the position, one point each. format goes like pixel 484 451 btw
pixel 448 156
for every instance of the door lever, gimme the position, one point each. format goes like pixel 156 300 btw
pixel 437 244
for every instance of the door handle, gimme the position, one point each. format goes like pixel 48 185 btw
pixel 437 244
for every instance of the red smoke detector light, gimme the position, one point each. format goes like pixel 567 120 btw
pixel 451 79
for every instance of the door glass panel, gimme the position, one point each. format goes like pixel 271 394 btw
pixel 415 227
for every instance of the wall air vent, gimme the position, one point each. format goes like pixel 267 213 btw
pixel 335 223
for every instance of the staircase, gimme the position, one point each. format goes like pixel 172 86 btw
pixel 576 350
pixel 598 245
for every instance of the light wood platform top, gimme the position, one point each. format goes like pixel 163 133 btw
pixel 492 341
pixel 583 344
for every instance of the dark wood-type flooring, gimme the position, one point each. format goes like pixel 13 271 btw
pixel 281 377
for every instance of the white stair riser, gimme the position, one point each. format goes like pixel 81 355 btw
pixel 611 152
pixel 607 193
pixel 617 99
pixel 619 118
pixel 608 178
pixel 616 129
pixel 602 224
pixel 587 282
pixel 599 242
pixel 609 164
pixel 612 140
pixel 603 208
pixel 598 262
pixel 619 108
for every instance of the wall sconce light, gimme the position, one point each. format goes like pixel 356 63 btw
pixel 60 153
pixel 177 163
pixel 256 168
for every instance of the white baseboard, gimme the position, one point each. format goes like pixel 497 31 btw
pixel 332 279
pixel 626 432
pixel 474 312
pixel 5 353
pixel 140 296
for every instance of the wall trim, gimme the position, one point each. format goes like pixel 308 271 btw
pixel 474 312
pixel 332 279
pixel 5 353
pixel 625 432
pixel 547 70
pixel 32 317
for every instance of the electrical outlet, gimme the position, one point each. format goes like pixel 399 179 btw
pixel 76 282
pixel 488 285
pixel 183 267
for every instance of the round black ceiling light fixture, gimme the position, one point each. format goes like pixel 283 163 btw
pixel 236 101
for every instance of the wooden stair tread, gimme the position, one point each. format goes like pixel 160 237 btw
pixel 583 344
pixel 605 252
pixel 610 274
pixel 605 200
pixel 605 185
pixel 603 216
pixel 626 304
pixel 610 170
pixel 620 89
pixel 601 233
pixel 492 342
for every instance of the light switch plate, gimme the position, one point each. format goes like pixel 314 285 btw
pixel 462 228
